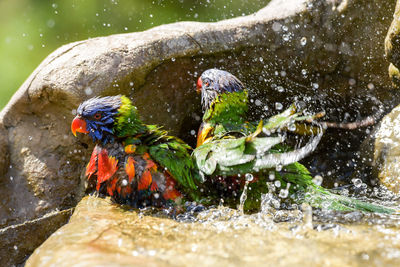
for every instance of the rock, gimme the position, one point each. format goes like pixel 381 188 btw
pixel 327 51
pixel 394 74
pixel 392 45
pixel 19 241
pixel 386 159
pixel 98 234
pixel 104 234
pixel 385 141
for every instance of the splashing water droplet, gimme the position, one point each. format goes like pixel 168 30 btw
pixel 280 89
pixel 249 177
pixel 88 91
pixel 278 106
pixel 269 203
pixel 371 86
pixel 124 182
pixel 307 215
pixel 271 176
pixel 318 179
pixel 277 183
pixel 276 26
pixel 243 197
pixel 286 37
pixel 278 167
pixel 303 41
pixel 283 193
pixel 357 182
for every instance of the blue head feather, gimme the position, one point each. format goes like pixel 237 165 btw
pixel 216 82
pixel 99 114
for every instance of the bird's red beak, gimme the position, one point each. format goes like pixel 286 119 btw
pixel 78 125
pixel 199 85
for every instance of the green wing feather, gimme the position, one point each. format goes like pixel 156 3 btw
pixel 173 155
pixel 226 155
pixel 169 152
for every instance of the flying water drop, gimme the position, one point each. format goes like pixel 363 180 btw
pixel 318 179
pixel 278 106
pixel 249 177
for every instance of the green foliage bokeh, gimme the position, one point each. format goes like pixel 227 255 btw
pixel 32 29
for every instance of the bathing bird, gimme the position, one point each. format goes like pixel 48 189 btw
pixel 225 138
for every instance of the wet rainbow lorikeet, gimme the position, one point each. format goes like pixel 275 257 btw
pixel 226 139
pixel 132 162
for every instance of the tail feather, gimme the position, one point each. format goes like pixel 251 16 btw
pixel 320 197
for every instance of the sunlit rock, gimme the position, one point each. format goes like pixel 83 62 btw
pixel 100 233
pixel 386 159
pixel 394 74
pixel 19 241
pixel 387 150
pixel 392 46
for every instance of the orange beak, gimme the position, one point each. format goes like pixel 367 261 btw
pixel 78 125
pixel 199 85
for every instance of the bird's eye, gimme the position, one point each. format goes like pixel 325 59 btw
pixel 97 116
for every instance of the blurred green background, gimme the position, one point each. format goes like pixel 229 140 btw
pixel 32 29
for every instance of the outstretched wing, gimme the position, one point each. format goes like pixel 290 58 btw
pixel 229 155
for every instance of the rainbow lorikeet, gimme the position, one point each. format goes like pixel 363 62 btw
pixel 226 139
pixel 134 163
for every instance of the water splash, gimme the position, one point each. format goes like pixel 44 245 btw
pixel 249 178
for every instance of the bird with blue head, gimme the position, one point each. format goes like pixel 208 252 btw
pixel 132 162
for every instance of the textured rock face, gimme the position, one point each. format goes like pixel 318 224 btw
pixel 386 154
pixel 103 234
pixel 18 241
pixel 387 150
pixel 329 51
pixel 392 46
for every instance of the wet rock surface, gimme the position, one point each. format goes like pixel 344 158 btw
pixel 392 46
pixel 385 141
pixel 386 159
pixel 328 54
pixel 19 241
pixel 104 234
